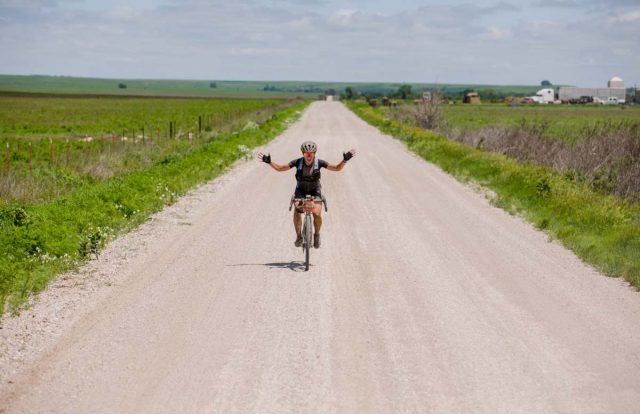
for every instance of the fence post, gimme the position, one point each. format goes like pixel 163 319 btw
pixel 8 159
pixel 143 141
pixel 30 157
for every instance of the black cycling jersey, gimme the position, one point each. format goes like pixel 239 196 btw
pixel 308 176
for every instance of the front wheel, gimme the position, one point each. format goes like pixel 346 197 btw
pixel 308 236
pixel 306 257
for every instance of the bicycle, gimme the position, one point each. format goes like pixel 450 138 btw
pixel 307 205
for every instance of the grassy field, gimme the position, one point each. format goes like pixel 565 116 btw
pixel 596 145
pixel 144 87
pixel 32 116
pixel 41 240
pixel 566 122
pixel 602 229
pixel 59 144
pixel 227 88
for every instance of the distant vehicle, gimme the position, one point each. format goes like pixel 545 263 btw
pixel 613 100
pixel 544 96
pixel 527 100
pixel 585 99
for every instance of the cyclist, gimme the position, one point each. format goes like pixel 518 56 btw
pixel 308 183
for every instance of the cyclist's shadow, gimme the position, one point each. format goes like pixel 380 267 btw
pixel 295 266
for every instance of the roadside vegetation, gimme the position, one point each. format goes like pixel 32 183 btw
pixel 567 123
pixel 53 145
pixel 596 145
pixel 601 228
pixel 41 239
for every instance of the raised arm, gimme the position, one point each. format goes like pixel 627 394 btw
pixel 346 156
pixel 266 158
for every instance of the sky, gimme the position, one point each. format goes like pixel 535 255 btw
pixel 574 42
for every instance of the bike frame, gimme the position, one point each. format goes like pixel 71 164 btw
pixel 307 204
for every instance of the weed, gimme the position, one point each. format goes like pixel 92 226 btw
pixel 543 188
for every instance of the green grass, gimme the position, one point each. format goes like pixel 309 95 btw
pixel 566 122
pixel 144 87
pixel 79 116
pixel 603 230
pixel 227 88
pixel 42 240
pixel 51 127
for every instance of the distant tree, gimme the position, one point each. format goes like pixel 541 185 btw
pixel 213 85
pixel 348 92
pixel 330 92
pixel 488 95
pixel 404 92
pixel 122 85
pixel 545 83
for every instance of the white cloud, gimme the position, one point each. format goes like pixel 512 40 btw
pixel 27 4
pixel 631 16
pixel 252 51
pixel 571 4
pixel 497 33
pixel 124 13
pixel 343 17
pixel 285 39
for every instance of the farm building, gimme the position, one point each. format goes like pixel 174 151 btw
pixel 471 98
pixel 615 88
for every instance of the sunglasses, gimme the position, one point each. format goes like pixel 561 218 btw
pixel 308 153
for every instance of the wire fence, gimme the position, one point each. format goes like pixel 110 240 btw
pixel 38 168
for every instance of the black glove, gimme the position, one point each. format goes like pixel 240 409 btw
pixel 346 156
pixel 266 158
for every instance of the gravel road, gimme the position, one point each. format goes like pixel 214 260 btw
pixel 422 298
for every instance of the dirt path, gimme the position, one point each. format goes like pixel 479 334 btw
pixel 423 298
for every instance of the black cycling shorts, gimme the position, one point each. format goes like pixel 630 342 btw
pixel 302 194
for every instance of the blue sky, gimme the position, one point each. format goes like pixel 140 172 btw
pixel 579 42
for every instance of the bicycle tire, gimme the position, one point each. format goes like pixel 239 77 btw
pixel 307 241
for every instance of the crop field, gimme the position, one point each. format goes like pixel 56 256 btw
pixel 568 123
pixel 77 116
pixel 52 145
pixel 229 88
pixel 596 145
